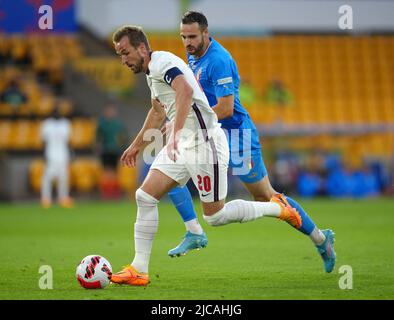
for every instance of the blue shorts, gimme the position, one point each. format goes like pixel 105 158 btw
pixel 251 169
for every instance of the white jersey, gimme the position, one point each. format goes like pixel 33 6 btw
pixel 162 69
pixel 56 134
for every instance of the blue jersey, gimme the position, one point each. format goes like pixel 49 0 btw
pixel 218 76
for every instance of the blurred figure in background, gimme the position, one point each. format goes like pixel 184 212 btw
pixel 111 138
pixel 277 94
pixel 13 95
pixel 247 94
pixel 55 132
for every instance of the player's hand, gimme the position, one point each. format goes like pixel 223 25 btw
pixel 129 156
pixel 172 146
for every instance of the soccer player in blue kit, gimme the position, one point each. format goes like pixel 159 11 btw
pixel 218 76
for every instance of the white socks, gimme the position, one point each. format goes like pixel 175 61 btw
pixel 194 226
pixel 317 236
pixel 145 229
pixel 243 211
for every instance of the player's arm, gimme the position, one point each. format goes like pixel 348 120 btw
pixel 225 107
pixel 221 75
pixel 154 120
pixel 183 100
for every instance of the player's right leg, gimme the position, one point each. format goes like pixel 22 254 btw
pixel 155 185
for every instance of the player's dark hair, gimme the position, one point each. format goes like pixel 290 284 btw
pixel 193 16
pixel 135 34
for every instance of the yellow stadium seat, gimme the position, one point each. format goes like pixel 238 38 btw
pixel 127 178
pixel 5 134
pixel 20 135
pixel 35 140
pixel 6 109
pixel 83 175
pixel 36 171
pixel 83 133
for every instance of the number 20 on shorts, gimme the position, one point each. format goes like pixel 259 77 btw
pixel 204 183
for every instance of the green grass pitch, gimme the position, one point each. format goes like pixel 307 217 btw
pixel 264 259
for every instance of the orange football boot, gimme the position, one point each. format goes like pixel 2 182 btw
pixel 46 203
pixel 288 213
pixel 66 203
pixel 129 275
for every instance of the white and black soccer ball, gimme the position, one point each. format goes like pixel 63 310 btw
pixel 94 272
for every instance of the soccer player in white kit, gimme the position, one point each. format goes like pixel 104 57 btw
pixel 197 148
pixel 55 132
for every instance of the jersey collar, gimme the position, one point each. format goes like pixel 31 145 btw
pixel 150 57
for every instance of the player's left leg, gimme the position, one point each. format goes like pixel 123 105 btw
pixel 258 184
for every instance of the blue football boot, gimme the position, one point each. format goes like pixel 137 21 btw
pixel 326 250
pixel 190 241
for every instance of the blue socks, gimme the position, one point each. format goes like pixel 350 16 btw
pixel 307 223
pixel 182 200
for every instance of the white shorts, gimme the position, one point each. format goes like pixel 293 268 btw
pixel 206 164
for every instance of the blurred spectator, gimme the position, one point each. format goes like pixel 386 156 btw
pixel 309 184
pixel 285 172
pixel 55 132
pixel 332 162
pixel 380 173
pixel 364 184
pixel 247 94
pixel 13 95
pixel 277 94
pixel 311 181
pixel 339 183
pixel 111 138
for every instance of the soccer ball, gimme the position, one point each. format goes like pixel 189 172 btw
pixel 94 272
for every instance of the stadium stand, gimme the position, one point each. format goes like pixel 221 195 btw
pixel 36 63
pixel 107 72
pixel 338 83
pixel 341 87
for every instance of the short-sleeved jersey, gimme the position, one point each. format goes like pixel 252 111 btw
pixel 217 73
pixel 162 69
